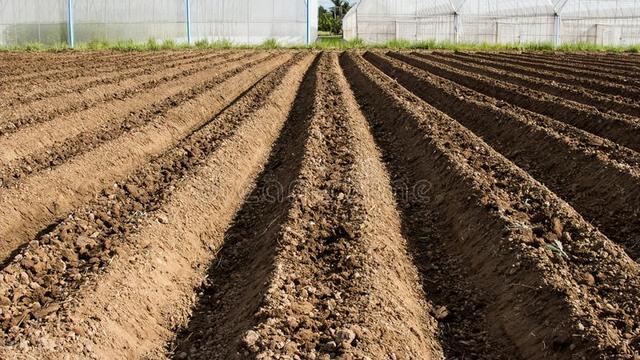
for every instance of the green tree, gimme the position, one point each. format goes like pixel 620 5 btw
pixel 340 8
pixel 324 23
pixel 331 19
pixel 327 22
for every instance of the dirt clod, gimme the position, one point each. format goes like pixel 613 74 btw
pixel 441 313
pixel 163 219
pixel 251 338
pixel 345 336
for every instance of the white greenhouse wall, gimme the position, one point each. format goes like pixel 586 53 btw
pixel 253 21
pixel 115 20
pixel 238 21
pixel 29 21
pixel 604 22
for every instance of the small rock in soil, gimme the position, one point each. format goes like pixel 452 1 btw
pixel 78 331
pixel 46 311
pixel 587 279
pixel 329 346
pixel 345 336
pixel 163 219
pixel 251 337
pixel 441 313
pixel 70 255
pixel 558 228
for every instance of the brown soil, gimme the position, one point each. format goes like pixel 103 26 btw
pixel 593 63
pixel 625 60
pixel 605 87
pixel 304 205
pixel 560 66
pixel 31 66
pixel 539 80
pixel 37 154
pixel 622 129
pixel 133 205
pixel 23 215
pixel 15 118
pixel 559 155
pixel 499 220
pixel 27 92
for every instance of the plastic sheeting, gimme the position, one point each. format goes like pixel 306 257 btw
pixel 238 21
pixel 604 22
pixel 29 21
pixel 254 21
pixel 114 20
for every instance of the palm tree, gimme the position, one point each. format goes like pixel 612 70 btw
pixel 339 8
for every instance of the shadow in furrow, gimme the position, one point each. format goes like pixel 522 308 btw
pixel 465 329
pixel 622 129
pixel 238 275
pixel 605 189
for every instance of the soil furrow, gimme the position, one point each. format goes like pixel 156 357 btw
pixel 42 199
pixel 465 330
pixel 625 61
pixel 598 178
pixel 24 151
pixel 280 204
pixel 553 65
pixel 28 59
pixel 606 60
pixel 25 93
pixel 342 283
pixel 200 185
pixel 560 76
pixel 622 129
pixel 531 253
pixel 51 154
pixel 27 66
pixel 588 65
pixel 15 118
pixel 530 78
pixel 238 274
pixel 51 69
pixel 622 59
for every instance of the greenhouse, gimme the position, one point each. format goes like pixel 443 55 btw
pixel 601 22
pixel 237 21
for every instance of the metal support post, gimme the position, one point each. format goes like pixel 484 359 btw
pixel 308 30
pixel 187 4
pixel 456 27
pixel 70 31
pixel 556 29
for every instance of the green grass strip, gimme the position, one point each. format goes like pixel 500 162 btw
pixel 323 43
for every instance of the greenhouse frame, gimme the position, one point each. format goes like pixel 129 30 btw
pixel 600 22
pixel 238 21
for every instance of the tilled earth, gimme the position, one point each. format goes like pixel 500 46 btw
pixel 304 205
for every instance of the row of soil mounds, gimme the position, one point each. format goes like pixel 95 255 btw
pixel 317 205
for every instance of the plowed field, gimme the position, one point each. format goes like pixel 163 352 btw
pixel 305 205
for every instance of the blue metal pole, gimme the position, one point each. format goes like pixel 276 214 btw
pixel 307 31
pixel 556 30
pixel 70 31
pixel 188 12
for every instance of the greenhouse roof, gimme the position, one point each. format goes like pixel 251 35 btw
pixel 587 8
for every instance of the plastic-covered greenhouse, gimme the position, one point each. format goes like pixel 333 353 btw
pixel 238 21
pixel 602 22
